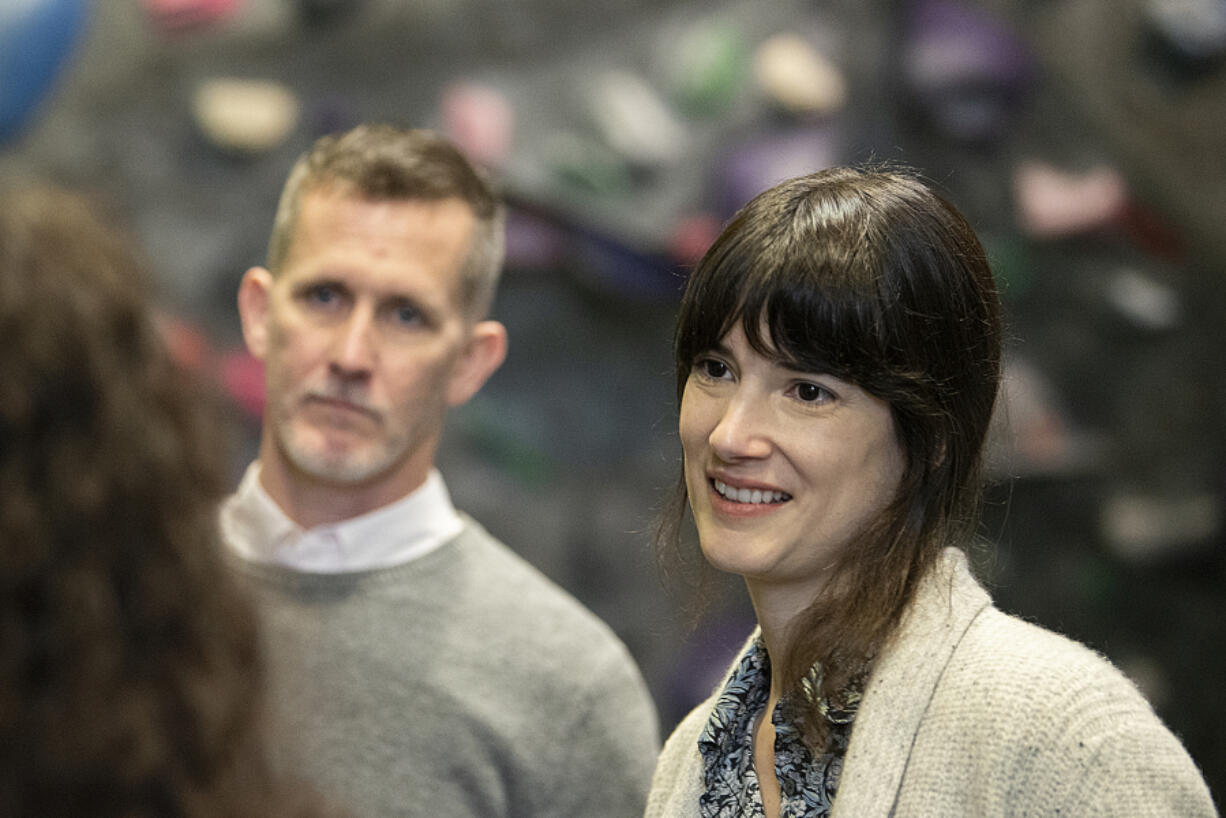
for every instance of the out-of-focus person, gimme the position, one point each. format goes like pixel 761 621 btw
pixel 130 674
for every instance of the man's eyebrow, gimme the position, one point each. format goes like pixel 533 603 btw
pixel 394 297
pixel 402 300
pixel 323 280
pixel 427 311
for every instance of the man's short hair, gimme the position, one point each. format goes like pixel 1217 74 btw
pixel 384 162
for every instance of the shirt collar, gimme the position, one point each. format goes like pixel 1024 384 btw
pixel 256 528
pixel 807 783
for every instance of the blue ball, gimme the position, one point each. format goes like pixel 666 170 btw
pixel 36 37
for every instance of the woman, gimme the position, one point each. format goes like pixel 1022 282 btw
pixel 129 672
pixel 838 358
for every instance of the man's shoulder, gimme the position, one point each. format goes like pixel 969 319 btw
pixel 508 591
pixel 540 635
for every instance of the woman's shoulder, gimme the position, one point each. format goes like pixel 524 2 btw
pixel 690 728
pixel 1033 702
pixel 676 784
pixel 1009 671
pixel 1015 696
pixel 1001 655
pixel 1001 646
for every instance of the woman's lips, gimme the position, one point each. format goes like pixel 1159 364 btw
pixel 745 501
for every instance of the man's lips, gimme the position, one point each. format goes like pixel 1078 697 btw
pixel 340 404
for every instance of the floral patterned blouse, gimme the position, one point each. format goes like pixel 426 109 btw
pixel 807 783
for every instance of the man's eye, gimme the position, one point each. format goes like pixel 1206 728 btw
pixel 406 314
pixel 712 368
pixel 322 295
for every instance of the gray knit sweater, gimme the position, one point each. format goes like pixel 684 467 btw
pixel 463 683
pixel 971 712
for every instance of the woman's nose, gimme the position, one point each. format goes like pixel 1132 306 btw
pixel 743 429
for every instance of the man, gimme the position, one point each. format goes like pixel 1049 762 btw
pixel 418 666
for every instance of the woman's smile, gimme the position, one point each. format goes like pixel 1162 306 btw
pixel 784 468
pixel 747 495
pixel 744 501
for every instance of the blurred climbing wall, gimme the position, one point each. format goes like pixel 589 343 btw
pixel 1086 140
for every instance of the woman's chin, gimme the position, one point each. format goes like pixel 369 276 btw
pixel 741 557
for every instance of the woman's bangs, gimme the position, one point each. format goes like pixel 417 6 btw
pixel 813 327
pixel 714 302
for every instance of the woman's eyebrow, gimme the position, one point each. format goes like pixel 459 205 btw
pixel 805 367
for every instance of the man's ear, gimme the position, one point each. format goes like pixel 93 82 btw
pixel 254 292
pixel 481 357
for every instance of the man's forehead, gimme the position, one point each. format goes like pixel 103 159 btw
pixel 440 223
pixel 435 224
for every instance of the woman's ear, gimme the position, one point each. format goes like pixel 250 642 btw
pixel 254 292
pixel 482 355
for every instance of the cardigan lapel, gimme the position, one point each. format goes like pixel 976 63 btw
pixel 901 686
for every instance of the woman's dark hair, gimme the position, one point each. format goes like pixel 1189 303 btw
pixel 129 671
pixel 869 276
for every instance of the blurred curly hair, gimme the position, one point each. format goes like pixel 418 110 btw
pixel 129 666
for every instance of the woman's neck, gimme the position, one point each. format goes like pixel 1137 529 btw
pixel 776 608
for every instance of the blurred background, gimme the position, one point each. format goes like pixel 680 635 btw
pixel 1085 140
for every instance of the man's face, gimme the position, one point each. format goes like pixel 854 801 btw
pixel 364 340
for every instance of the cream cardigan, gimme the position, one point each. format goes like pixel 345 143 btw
pixel 971 712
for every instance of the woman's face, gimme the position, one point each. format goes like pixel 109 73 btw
pixel 783 468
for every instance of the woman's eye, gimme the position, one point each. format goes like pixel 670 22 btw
pixel 712 368
pixel 813 393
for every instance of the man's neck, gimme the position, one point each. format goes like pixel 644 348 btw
pixel 311 502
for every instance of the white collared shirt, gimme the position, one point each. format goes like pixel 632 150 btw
pixel 255 528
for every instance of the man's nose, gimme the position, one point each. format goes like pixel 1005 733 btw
pixel 743 430
pixel 354 354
